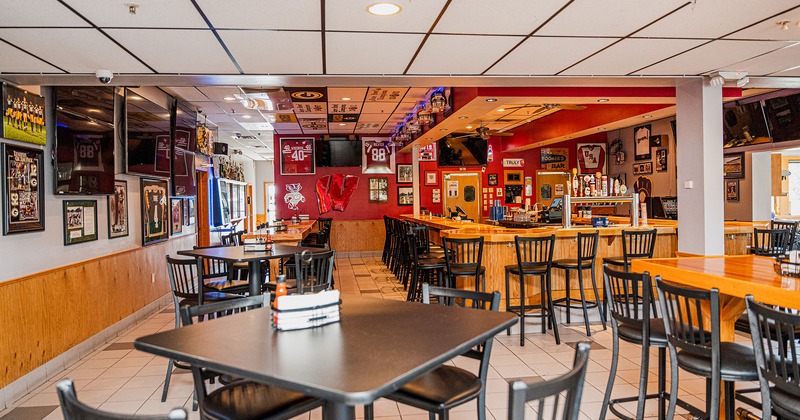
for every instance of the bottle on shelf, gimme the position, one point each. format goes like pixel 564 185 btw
pixel 575 181
pixel 604 185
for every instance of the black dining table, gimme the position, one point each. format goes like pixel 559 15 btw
pixel 377 347
pixel 233 254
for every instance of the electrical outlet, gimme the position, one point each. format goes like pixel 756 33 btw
pixel 153 278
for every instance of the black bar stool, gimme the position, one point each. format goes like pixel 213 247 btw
pixel 587 253
pixel 421 269
pixel 635 244
pixel 770 242
pixel 463 258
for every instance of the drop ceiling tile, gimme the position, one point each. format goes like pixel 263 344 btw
pixel 373 118
pixel 341 127
pixel 219 93
pixel 606 18
pixel 715 18
pixel 310 107
pixel 279 127
pixel 176 51
pixel 378 107
pixel 349 107
pixel 385 94
pixel 776 61
pixel 356 94
pixel 617 60
pixel 369 53
pixel 795 72
pixel 256 126
pixel 769 29
pixel 547 55
pixel 77 50
pixel 251 117
pixel 460 54
pixel 712 56
pixel 219 118
pixel 208 107
pixel 189 93
pixel 352 15
pixel 149 14
pixel 263 14
pixel 230 126
pixel 39 13
pixel 16 61
pixel 275 52
pixel 407 106
pixel 528 15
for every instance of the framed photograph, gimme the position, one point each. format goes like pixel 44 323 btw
pixel 191 211
pixel 176 213
pixel 436 195
pixel 405 196
pixel 733 165
pixel 661 160
pixel 431 178
pixel 591 158
pixel 643 168
pixel 23 193
pixel 23 115
pixel 118 210
pixel 297 156
pixel 493 179
pixel 186 212
pixel 377 156
pixel 80 221
pixel 405 173
pixel 641 141
pixel 155 214
pixel 732 190
pixel 379 190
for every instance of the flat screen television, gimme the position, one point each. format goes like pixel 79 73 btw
pixel 84 140
pixel 338 153
pixel 744 124
pixel 784 117
pixel 185 127
pixel 184 144
pixel 148 137
pixel 183 174
pixel 462 151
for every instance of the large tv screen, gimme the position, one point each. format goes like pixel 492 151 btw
pixel 185 141
pixel 183 175
pixel 338 153
pixel 185 127
pixel 148 136
pixel 84 141
pixel 462 151
pixel 744 124
pixel 784 117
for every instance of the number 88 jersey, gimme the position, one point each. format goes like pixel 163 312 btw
pixel 87 154
pixel 377 157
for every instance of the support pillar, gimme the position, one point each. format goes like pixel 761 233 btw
pixel 415 176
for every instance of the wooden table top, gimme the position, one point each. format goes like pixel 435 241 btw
pixel 294 232
pixel 237 253
pixel 735 276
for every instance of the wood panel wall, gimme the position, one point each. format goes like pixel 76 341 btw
pixel 357 235
pixel 47 313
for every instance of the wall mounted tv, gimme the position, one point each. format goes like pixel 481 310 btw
pixel 462 151
pixel 337 153
pixel 84 141
pixel 183 164
pixel 744 124
pixel 148 137
pixel 784 117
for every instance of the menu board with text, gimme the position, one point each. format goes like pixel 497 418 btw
pixel 297 156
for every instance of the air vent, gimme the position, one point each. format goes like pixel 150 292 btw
pixel 247 137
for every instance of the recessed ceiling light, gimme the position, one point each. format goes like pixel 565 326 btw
pixel 501 110
pixel 247 116
pixel 229 98
pixel 601 128
pixel 469 127
pixel 384 9
pixel 345 99
pixel 442 129
pixel 647 116
pixel 342 124
pixel 491 100
pixel 463 117
pixel 602 100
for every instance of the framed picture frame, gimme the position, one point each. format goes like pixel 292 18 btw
pixel 405 196
pixel 80 221
pixel 431 178
pixel 186 212
pixel 379 190
pixel 28 125
pixel 492 180
pixel 661 160
pixel 732 190
pixel 23 192
pixel 118 210
pixel 176 215
pixel 436 195
pixel 641 142
pixel 643 168
pixel 733 165
pixel 191 211
pixel 592 158
pixel 155 212
pixel 297 156
pixel 405 173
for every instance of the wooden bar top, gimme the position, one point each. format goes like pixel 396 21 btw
pixel 293 234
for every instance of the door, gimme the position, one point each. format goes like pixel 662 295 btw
pixel 463 189
pixel 269 201
pixel 202 207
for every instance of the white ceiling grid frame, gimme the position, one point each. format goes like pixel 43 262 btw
pixel 149 14
pixel 275 52
pixel 615 18
pixel 460 54
pixel 711 56
pixel 547 55
pixel 775 61
pixel 629 55
pixel 263 14
pixel 187 93
pixel 219 93
pixel 16 61
pixel 770 30
pixel 375 53
pixel 492 18
pixel 41 13
pixel 352 15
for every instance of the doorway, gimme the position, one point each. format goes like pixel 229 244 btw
pixel 462 190
pixel 269 201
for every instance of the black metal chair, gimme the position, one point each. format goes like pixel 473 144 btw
pixel 422 238
pixel 548 393
pixel 770 242
pixel 787 224
pixel 74 409
pixel 448 386
pixel 587 254
pixel 423 270
pixel 534 258
pixel 242 399
pixel 219 276
pixel 692 324
pixel 635 244
pixel 314 271
pixel 464 258
pixel 387 241
pixel 778 366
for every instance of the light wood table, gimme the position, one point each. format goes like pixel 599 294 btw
pixel 293 234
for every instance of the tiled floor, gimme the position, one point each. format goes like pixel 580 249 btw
pixel 121 379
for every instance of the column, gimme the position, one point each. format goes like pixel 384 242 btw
pixel 700 176
pixel 415 176
pixel 760 173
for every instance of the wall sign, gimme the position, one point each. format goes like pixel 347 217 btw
pixel 377 156
pixel 513 163
pixel 297 156
pixel 554 157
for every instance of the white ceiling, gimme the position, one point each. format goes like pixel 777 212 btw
pixel 191 47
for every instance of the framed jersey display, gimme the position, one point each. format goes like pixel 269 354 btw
pixel 23 193
pixel 155 213
pixel 378 156
pixel 23 116
pixel 297 156
pixel 591 158
pixel 118 210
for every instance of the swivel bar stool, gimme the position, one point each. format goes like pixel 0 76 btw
pixel 534 258
pixel 587 254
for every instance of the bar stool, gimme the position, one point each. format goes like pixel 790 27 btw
pixel 421 269
pixel 587 253
pixel 635 244
pixel 770 242
pixel 786 224
pixel 463 258
pixel 534 258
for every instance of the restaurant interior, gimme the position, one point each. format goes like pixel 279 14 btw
pixel 266 209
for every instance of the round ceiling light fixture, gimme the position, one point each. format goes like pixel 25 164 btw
pixel 345 99
pixel 601 100
pixel 647 117
pixel 491 100
pixel 384 9
pixel 229 98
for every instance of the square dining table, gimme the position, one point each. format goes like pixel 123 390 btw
pixel 377 347
pixel 233 254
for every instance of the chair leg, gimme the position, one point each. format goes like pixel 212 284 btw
pixel 713 411
pixel 483 282
pixel 597 299
pixel 508 301
pixel 643 373
pixel 482 404
pixel 567 296
pixel 522 310
pixel 551 308
pixel 662 380
pixel 613 373
pixel 542 298
pixel 369 411
pixel 583 303
pixel 166 381
pixel 673 385
pixel 730 399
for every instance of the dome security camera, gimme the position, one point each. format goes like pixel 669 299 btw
pixel 104 76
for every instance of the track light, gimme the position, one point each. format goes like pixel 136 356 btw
pixel 743 81
pixel 717 81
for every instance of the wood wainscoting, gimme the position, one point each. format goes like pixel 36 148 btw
pixel 47 313
pixel 357 235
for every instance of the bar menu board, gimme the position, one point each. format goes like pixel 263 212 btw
pixel 297 156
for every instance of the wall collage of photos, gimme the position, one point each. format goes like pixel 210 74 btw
pixel 83 163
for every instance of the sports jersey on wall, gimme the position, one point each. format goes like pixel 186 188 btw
pixel 591 158
pixel 378 156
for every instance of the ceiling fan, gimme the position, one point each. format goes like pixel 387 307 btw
pixel 482 132
pixel 547 107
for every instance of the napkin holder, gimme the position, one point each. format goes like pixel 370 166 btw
pixel 296 312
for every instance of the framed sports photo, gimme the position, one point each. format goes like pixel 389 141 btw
pixel 379 190
pixel 733 165
pixel 176 214
pixel 118 210
pixel 431 178
pixel 155 214
pixel 80 221
pixel 23 192
pixel 492 178
pixel 405 174
pixel 643 168
pixel 405 196
pixel 732 189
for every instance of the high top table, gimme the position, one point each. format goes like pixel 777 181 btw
pixel 377 347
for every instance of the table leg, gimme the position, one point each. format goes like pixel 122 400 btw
pixel 339 411
pixel 730 309
pixel 255 277
pixel 200 282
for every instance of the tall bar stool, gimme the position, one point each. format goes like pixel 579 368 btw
pixel 387 240
pixel 786 224
pixel 770 242
pixel 587 254
pixel 421 269
pixel 635 244
pixel 534 258
pixel 463 258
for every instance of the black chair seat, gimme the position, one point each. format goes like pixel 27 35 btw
pixel 570 264
pixel 210 297
pixel 251 400
pixel 620 261
pixel 529 269
pixel 784 404
pixel 443 387
pixel 432 263
pixel 227 286
pixel 633 333
pixel 738 363
pixel 457 272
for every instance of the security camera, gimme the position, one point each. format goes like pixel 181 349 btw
pixel 104 76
